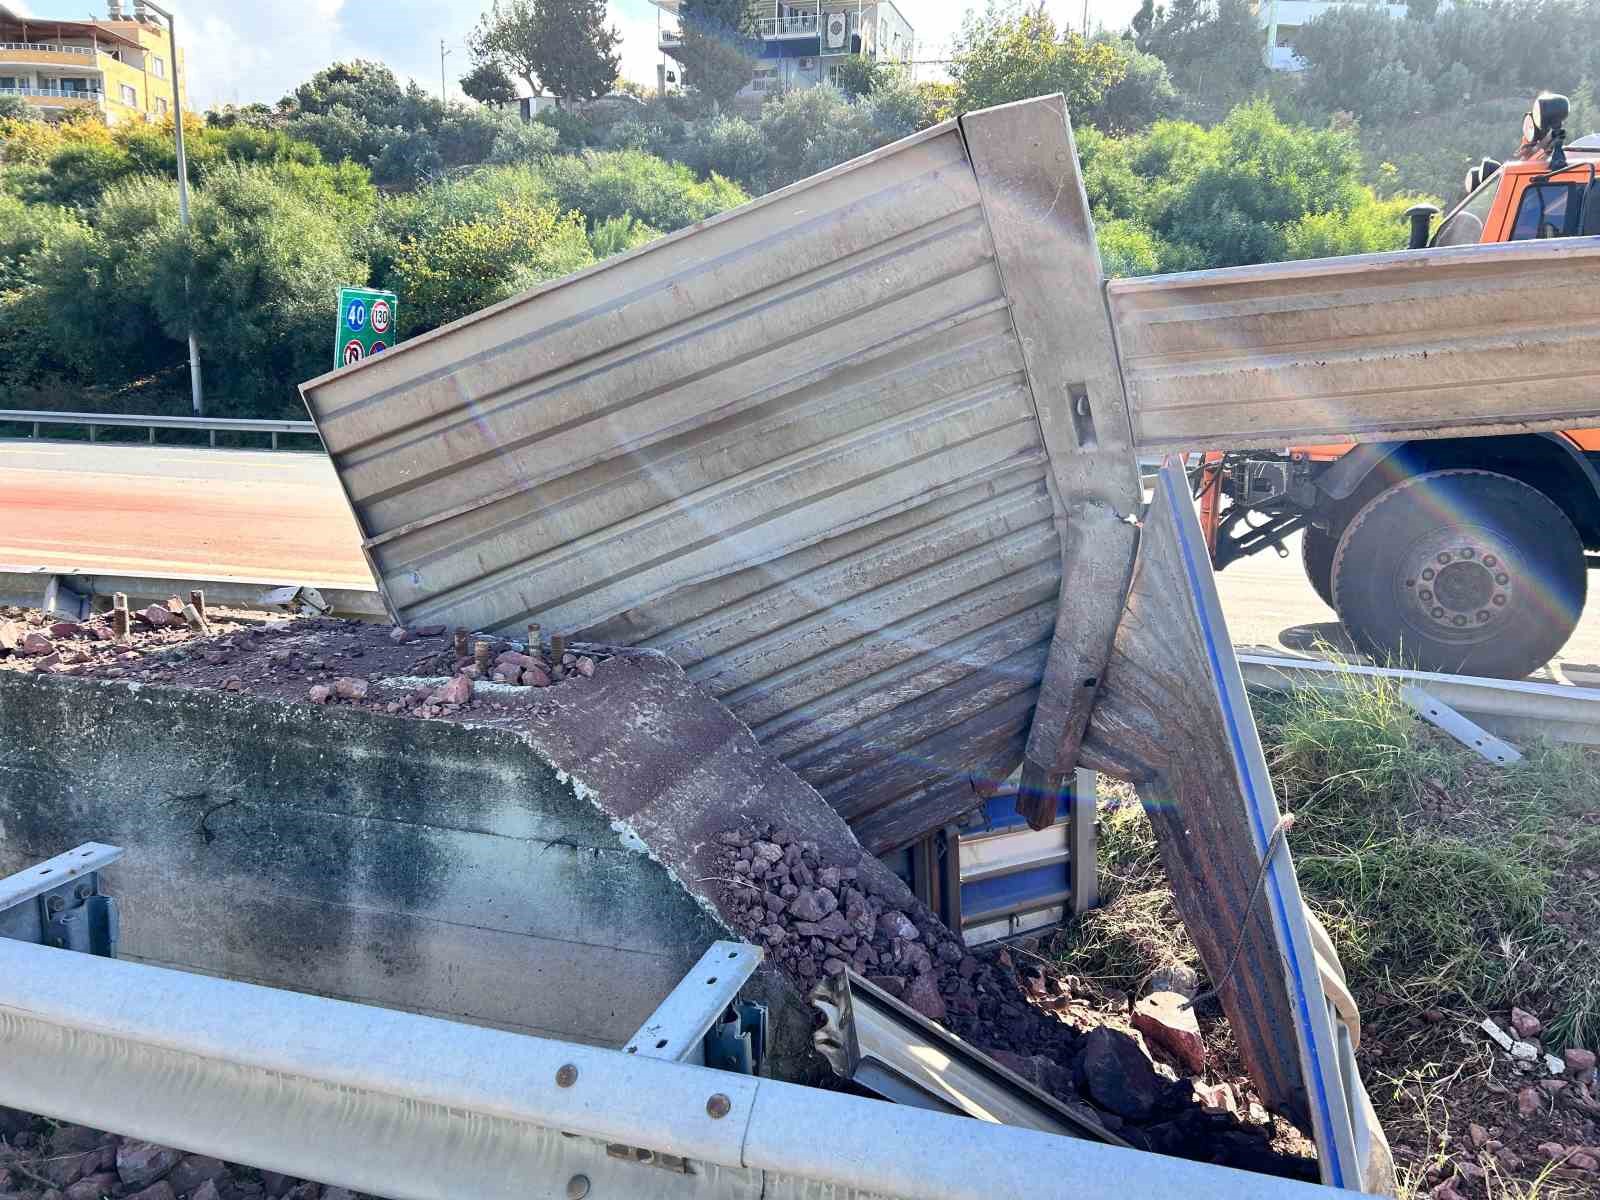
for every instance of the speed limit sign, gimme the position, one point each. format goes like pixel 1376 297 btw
pixel 367 321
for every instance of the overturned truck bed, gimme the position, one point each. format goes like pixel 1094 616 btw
pixel 861 458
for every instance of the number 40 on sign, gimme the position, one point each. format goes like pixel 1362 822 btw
pixel 366 324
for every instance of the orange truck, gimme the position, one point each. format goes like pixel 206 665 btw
pixel 1466 555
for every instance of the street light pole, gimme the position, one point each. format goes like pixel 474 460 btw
pixel 443 53
pixel 197 391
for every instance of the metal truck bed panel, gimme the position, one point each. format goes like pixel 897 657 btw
pixel 795 447
pixel 1437 343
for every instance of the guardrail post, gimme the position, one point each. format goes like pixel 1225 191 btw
pixel 152 435
pixel 93 432
pixel 36 429
pixel 274 439
pixel 212 434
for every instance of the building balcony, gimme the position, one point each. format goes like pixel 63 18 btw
pixel 44 54
pixel 797 25
pixel 59 99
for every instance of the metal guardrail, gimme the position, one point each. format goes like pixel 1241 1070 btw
pixel 39 418
pixel 71 594
pixel 416 1108
pixel 1511 708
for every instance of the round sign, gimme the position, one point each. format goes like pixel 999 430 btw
pixel 353 353
pixel 380 317
pixel 378 347
pixel 356 315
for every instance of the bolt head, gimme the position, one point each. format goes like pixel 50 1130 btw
pixel 577 1187
pixel 56 903
pixel 718 1106
pixel 567 1076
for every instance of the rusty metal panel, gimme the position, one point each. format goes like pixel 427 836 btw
pixel 1431 343
pixel 794 447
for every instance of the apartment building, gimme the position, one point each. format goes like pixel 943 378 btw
pixel 120 68
pixel 1280 20
pixel 803 43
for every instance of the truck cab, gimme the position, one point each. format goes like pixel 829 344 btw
pixel 1463 555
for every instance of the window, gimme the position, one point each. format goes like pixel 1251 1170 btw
pixel 161 106
pixel 1464 226
pixel 158 67
pixel 130 97
pixel 1286 36
pixel 1543 211
pixel 9 83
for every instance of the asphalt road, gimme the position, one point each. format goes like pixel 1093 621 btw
pixel 221 514
pixel 280 516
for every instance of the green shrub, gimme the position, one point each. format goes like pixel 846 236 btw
pixel 610 183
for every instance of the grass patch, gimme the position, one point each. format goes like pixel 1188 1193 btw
pixel 1446 882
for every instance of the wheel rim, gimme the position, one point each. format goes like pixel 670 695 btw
pixel 1460 583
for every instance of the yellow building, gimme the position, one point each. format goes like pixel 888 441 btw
pixel 119 67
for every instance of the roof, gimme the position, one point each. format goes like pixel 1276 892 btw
pixel 1589 141
pixel 46 25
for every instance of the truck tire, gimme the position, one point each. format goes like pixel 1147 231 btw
pixel 1316 559
pixel 1462 571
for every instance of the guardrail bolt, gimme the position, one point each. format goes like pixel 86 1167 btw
pixel 567 1076
pixel 55 904
pixel 577 1187
pixel 718 1106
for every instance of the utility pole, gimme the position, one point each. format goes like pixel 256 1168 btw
pixel 443 54
pixel 1086 20
pixel 197 391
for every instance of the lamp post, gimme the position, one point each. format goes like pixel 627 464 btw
pixel 139 7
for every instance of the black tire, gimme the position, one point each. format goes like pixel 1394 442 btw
pixel 1461 571
pixel 1316 559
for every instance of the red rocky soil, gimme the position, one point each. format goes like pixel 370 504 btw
pixel 818 919
pixel 46 1160
pixel 815 918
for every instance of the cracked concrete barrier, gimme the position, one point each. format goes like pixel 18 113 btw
pixel 532 878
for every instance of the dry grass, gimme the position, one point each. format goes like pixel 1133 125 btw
pixel 1434 871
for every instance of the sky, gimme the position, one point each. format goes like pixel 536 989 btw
pixel 240 51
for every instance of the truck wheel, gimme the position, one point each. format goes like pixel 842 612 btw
pixel 1461 571
pixel 1316 558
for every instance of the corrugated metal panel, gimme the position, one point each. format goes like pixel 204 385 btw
pixel 794 447
pixel 1429 343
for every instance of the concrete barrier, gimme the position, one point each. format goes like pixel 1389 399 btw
pixel 435 867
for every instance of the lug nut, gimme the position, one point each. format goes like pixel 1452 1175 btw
pixel 1427 572
pixel 1437 614
pixel 567 1076
pixel 718 1106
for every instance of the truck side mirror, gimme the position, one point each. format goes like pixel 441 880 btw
pixel 1421 217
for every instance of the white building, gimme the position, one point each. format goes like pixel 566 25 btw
pixel 802 43
pixel 1281 20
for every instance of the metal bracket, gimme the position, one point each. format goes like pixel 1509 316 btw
pixel 677 1030
pixel 739 1042
pixel 59 902
pixel 1470 734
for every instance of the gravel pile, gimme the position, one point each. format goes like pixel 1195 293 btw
pixel 818 918
pixel 46 1160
